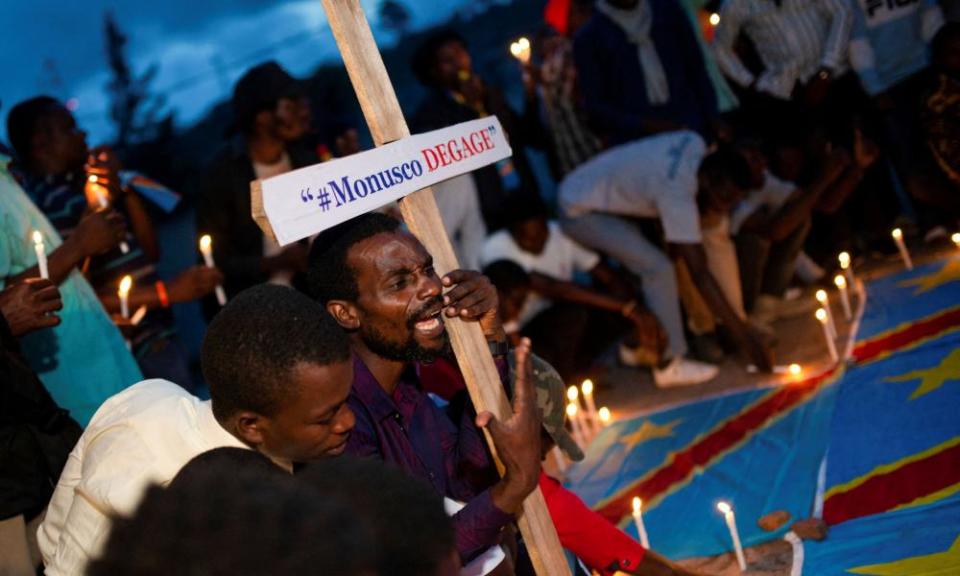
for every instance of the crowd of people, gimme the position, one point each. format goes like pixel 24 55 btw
pixel 707 156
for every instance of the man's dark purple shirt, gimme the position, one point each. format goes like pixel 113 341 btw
pixel 410 431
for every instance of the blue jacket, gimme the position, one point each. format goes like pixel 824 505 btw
pixel 611 80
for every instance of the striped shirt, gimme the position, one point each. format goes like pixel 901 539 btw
pixel 794 39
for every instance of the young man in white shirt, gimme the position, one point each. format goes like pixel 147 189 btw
pixel 552 260
pixel 279 373
pixel 671 178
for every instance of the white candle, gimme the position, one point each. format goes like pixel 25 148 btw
pixel 587 389
pixel 573 396
pixel 841 283
pixel 824 301
pixel 521 50
pixel 831 346
pixel 575 425
pixel 795 370
pixel 604 415
pixel 727 512
pixel 39 248
pixel 207 251
pixel 638 522
pixel 124 293
pixel 844 258
pixel 559 459
pixel 898 238
pixel 103 203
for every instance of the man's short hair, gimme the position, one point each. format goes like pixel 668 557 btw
pixel 726 165
pixel 227 458
pixel 424 61
pixel 242 521
pixel 328 275
pixel 507 276
pixel 260 336
pixel 261 88
pixel 24 120
pixel 412 531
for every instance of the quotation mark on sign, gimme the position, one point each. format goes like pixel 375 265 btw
pixel 492 129
pixel 324 199
pixel 305 195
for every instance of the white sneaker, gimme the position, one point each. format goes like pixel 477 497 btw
pixel 684 372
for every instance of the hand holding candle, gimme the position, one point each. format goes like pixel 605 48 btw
pixel 904 253
pixel 41 251
pixel 206 249
pixel 93 184
pixel 638 522
pixel 831 345
pixel 841 283
pixel 727 512
pixel 824 301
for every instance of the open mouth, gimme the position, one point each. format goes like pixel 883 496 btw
pixel 431 325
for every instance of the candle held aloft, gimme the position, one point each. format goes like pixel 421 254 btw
pixel 97 189
pixel 41 252
pixel 841 283
pixel 521 50
pixel 206 248
pixel 124 293
pixel 731 520
pixel 831 345
pixel 902 247
pixel 638 522
pixel 824 301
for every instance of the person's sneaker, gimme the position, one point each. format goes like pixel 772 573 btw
pixel 684 372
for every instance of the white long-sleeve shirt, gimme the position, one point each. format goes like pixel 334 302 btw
pixel 794 40
pixel 139 437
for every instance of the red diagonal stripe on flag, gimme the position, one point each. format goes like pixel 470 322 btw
pixel 680 466
pixel 905 336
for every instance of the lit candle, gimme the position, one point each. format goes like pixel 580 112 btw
pixel 956 239
pixel 124 293
pixel 207 251
pixel 841 283
pixel 714 19
pixel 844 258
pixel 831 346
pixel 898 238
pixel 103 203
pixel 41 254
pixel 521 50
pixel 575 425
pixel 795 370
pixel 605 416
pixel 727 512
pixel 824 301
pixel 638 521
pixel 559 459
pixel 573 395
pixel 587 389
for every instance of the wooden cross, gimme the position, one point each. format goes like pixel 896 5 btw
pixel 387 124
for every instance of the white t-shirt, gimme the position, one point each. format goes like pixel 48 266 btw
pixel 773 194
pixel 141 436
pixel 561 259
pixel 270 246
pixel 654 177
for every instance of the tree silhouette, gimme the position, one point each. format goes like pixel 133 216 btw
pixel 134 110
pixel 394 16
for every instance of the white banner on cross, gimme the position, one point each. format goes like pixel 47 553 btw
pixel 307 201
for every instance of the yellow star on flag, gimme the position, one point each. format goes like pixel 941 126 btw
pixel 932 378
pixel 949 273
pixel 941 563
pixel 648 431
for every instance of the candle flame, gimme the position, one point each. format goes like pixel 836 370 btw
pixel 37 237
pixel 714 19
pixel 795 369
pixel 822 315
pixel 822 296
pixel 571 410
pixel 125 284
pixel 724 507
pixel 956 238
pixel 604 414
pixel 205 242
pixel 840 281
pixel 637 504
pixel 897 233
pixel 572 393
pixel 587 387
pixel 844 258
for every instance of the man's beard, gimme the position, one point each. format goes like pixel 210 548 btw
pixel 410 350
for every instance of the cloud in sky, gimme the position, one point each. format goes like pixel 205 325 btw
pixel 201 46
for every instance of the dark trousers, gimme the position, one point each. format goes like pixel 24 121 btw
pixel 766 267
pixel 570 337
